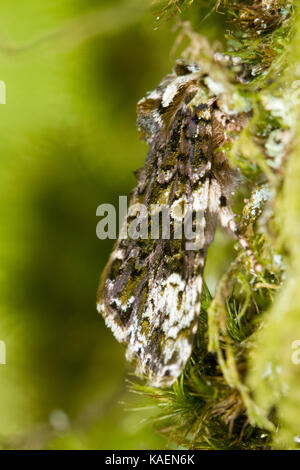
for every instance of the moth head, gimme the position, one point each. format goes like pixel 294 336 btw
pixel 157 110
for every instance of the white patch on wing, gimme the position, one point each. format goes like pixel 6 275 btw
pixel 184 348
pixel 152 95
pixel 121 306
pixel 172 90
pixel 99 307
pixel 200 197
pixel 179 208
pixel 177 303
pixel 179 315
pixel 110 322
pixel 118 254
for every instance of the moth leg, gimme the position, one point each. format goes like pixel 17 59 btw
pixel 226 218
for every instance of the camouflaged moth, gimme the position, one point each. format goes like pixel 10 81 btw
pixel 150 290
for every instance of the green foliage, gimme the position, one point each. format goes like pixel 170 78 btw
pixel 274 374
pixel 68 143
pixel 171 7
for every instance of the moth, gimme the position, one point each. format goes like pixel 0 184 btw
pixel 150 291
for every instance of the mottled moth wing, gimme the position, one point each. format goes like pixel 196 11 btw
pixel 149 293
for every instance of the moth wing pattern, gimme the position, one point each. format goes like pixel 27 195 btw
pixel 150 290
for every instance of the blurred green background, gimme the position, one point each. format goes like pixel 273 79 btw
pixel 74 70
